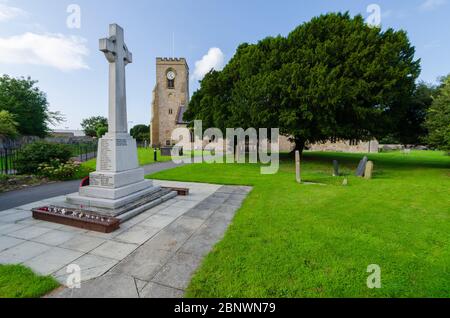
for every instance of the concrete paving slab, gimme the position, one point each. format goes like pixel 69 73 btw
pixel 154 290
pixel 138 234
pixel 108 286
pixel 8 242
pixel 54 237
pixel 83 243
pixel 158 221
pixel 174 212
pixel 22 252
pixel 29 232
pixel 52 260
pixel 140 284
pixel 178 271
pixel 144 263
pixel 15 217
pixel 200 213
pixel 114 250
pixel 91 266
pixel 11 227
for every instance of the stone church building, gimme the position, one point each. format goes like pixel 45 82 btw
pixel 171 99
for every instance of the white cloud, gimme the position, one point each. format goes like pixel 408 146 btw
pixel 65 53
pixel 432 4
pixel 9 13
pixel 215 59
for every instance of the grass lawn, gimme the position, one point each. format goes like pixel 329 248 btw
pixel 20 282
pixel 291 240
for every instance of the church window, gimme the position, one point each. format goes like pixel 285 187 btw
pixel 170 111
pixel 171 84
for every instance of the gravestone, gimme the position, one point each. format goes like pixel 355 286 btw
pixel 361 167
pixel 298 167
pixel 336 168
pixel 118 184
pixel 369 170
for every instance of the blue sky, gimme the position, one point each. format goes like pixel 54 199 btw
pixel 36 41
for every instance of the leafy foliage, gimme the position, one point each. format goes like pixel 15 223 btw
pixel 438 118
pixel 141 132
pixel 28 104
pixel 332 77
pixel 57 170
pixel 101 131
pixel 93 124
pixel 41 152
pixel 8 125
pixel 409 118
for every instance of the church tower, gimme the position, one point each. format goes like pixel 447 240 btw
pixel 170 99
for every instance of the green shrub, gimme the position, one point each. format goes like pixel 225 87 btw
pixel 39 153
pixel 57 170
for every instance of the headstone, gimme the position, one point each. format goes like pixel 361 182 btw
pixel 335 168
pixel 362 167
pixel 369 170
pixel 345 182
pixel 298 167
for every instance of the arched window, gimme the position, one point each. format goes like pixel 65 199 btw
pixel 171 84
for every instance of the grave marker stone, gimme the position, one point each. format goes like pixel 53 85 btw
pixel 335 168
pixel 362 167
pixel 369 170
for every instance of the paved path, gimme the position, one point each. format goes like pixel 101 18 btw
pixel 17 198
pixel 151 256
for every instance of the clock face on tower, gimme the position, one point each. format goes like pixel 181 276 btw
pixel 171 75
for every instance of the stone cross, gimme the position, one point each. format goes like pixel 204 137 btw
pixel 118 56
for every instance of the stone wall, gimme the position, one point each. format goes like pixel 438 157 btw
pixel 346 146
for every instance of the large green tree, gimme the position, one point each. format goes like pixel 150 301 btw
pixel 8 125
pixel 409 118
pixel 140 132
pixel 438 118
pixel 93 125
pixel 28 104
pixel 332 77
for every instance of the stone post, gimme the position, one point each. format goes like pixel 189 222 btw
pixel 298 167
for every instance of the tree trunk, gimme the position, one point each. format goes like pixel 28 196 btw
pixel 299 145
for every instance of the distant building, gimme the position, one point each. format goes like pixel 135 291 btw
pixel 62 133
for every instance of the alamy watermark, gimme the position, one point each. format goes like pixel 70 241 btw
pixel 74 19
pixel 73 280
pixel 237 145
pixel 374 19
pixel 374 279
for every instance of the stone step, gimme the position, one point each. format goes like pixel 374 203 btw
pixel 152 201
